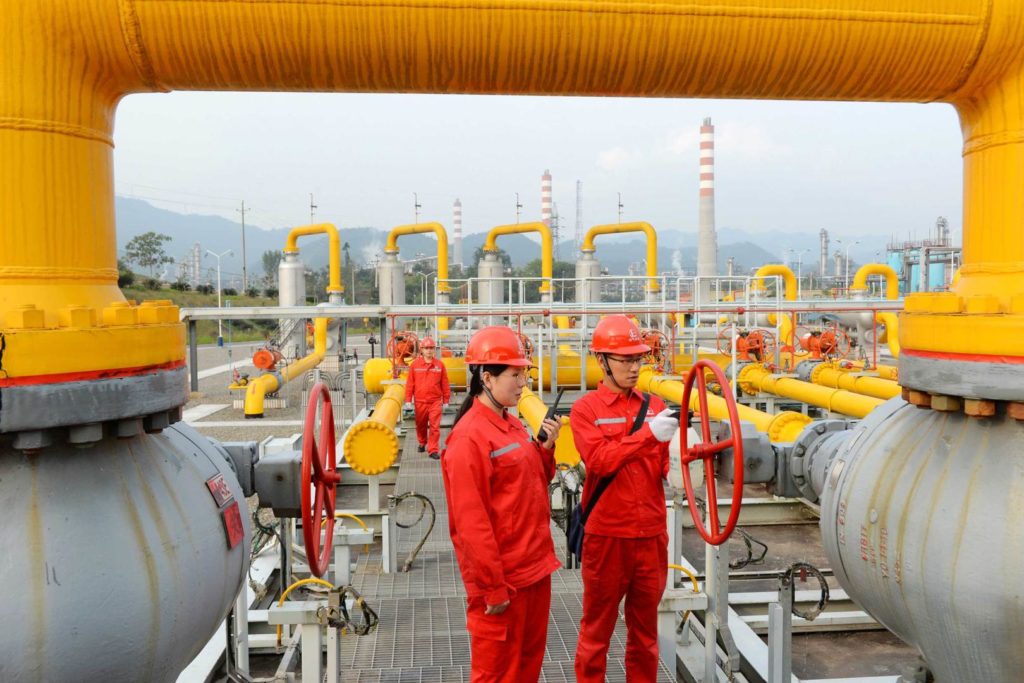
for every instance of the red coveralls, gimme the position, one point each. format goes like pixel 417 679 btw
pixel 428 384
pixel 496 482
pixel 625 549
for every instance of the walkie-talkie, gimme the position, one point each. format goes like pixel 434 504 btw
pixel 542 435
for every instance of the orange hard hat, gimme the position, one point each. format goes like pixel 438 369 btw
pixel 428 343
pixel 618 334
pixel 496 346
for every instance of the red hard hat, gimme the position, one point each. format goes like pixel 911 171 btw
pixel 618 334
pixel 428 343
pixel 496 346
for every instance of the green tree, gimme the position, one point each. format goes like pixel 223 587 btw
pixel 560 270
pixel 271 260
pixel 147 250
pixel 125 276
pixel 472 268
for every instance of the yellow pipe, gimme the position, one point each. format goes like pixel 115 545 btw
pixel 892 281
pixel 783 427
pixel 291 246
pixel 636 226
pixel 755 378
pixel 442 247
pixel 257 389
pixel 533 410
pixel 830 376
pixel 442 254
pixel 287 592
pixel 370 445
pixel 378 371
pixel 67 65
pixel 890 372
pixel 788 278
pixel 892 327
pixel 791 289
pixel 546 247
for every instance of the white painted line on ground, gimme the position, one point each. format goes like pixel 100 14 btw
pixel 198 412
pixel 249 423
pixel 221 369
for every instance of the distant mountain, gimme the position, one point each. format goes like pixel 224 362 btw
pixel 615 252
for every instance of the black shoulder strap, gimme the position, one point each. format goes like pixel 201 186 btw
pixel 638 422
pixel 603 484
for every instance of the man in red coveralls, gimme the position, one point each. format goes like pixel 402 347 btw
pixel 625 548
pixel 427 385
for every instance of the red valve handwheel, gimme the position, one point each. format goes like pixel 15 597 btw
pixel 835 343
pixel 725 340
pixel 319 472
pixel 707 451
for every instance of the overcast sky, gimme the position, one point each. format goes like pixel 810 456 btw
pixel 852 168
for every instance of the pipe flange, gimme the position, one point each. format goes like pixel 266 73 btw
pixel 370 447
pixel 810 370
pixel 742 379
pixel 802 451
pixel 781 421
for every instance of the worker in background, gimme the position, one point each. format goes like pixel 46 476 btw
pixel 427 385
pixel 496 484
pixel 625 546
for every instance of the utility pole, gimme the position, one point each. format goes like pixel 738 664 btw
pixel 518 207
pixel 312 209
pixel 556 225
pixel 578 235
pixel 416 206
pixel 245 271
pixel 621 206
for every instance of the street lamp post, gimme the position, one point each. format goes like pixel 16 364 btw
pixel 800 272
pixel 847 277
pixel 220 323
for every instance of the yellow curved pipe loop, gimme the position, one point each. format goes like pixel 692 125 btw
pixel 693 583
pixel 756 378
pixel 892 280
pixel 892 328
pixel 442 247
pixel 442 254
pixel 349 515
pixel 287 592
pixel 828 375
pixel 291 246
pixel 783 427
pixel 546 247
pixel 256 390
pixel 370 445
pixel 789 294
pixel 635 226
pixel 533 410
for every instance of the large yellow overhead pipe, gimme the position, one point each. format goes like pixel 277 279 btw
pixel 892 280
pixel 783 427
pixel 755 378
pixel 828 375
pixel 335 286
pixel 257 389
pixel 546 247
pixel 370 445
pixel 64 66
pixel 636 226
pixel 442 247
pixel 533 410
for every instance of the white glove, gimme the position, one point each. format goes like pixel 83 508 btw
pixel 664 425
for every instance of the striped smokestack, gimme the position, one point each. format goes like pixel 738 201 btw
pixel 545 198
pixel 707 242
pixel 457 224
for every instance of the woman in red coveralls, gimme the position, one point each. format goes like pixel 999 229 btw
pixel 496 481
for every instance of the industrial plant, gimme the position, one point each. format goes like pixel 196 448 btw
pixel 822 463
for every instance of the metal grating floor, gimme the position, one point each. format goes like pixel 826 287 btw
pixel 422 636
